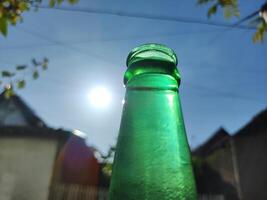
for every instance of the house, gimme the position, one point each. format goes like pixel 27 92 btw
pixel 14 112
pixel 27 151
pixel 234 166
pixel 40 163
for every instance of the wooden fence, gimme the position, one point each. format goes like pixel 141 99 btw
pixel 210 197
pixel 60 191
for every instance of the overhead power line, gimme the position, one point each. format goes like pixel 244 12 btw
pixel 238 23
pixel 198 87
pixel 121 38
pixel 147 16
pixel 253 14
pixel 77 50
pixel 224 94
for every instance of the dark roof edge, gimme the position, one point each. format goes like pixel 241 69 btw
pixel 27 112
pixel 219 137
pixel 15 131
pixel 256 122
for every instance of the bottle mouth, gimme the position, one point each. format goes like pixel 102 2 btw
pixel 157 52
pixel 152 59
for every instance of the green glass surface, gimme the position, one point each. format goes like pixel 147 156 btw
pixel 152 160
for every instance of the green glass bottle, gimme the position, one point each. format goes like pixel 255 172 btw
pixel 152 160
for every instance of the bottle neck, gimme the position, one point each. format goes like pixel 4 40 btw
pixel 151 67
pixel 152 81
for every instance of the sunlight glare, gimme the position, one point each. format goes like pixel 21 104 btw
pixel 99 97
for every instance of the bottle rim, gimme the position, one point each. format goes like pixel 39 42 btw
pixel 152 51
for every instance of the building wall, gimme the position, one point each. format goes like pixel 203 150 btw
pixel 237 170
pixel 215 175
pixel 26 165
pixel 252 165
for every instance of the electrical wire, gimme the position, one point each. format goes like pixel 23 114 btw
pixel 133 37
pixel 216 92
pixel 86 53
pixel 146 16
pixel 238 23
pixel 220 93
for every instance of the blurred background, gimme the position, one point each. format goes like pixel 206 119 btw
pixel 62 66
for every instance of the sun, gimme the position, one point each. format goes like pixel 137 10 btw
pixel 99 97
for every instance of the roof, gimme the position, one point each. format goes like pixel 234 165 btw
pixel 213 143
pixel 14 131
pixel 258 125
pixel 23 110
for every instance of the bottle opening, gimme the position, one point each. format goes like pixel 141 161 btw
pixel 152 59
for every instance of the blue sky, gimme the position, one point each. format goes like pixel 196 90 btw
pixel 223 72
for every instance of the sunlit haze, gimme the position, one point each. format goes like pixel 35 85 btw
pixel 99 97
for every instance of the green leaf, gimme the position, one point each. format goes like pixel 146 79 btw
pixel 52 3
pixel 59 2
pixel 107 169
pixel 21 84
pixel 8 92
pixel 203 1
pixel 34 62
pixel 3 26
pixel 231 11
pixel 35 75
pixel 46 60
pixel 73 1
pixel 212 10
pixel 260 33
pixel 230 7
pixel 21 67
pixel 44 66
pixel 7 74
pixel 24 6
